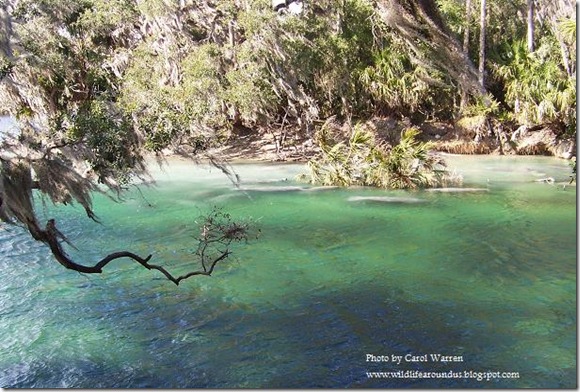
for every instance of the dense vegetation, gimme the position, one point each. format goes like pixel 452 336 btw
pixel 97 84
pixel 362 160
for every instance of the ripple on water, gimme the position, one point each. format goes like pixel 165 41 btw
pixel 16 242
pixel 17 375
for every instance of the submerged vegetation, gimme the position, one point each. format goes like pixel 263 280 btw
pixel 97 85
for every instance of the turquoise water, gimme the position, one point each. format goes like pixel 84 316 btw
pixel 488 276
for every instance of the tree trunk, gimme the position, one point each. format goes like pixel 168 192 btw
pixel 467 25
pixel 464 96
pixel 420 21
pixel 563 47
pixel 565 55
pixel 531 26
pixel 5 33
pixel 552 11
pixel 482 23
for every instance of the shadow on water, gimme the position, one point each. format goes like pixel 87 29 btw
pixel 166 338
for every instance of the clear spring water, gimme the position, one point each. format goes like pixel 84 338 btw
pixel 489 276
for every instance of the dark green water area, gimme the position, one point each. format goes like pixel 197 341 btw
pixel 486 276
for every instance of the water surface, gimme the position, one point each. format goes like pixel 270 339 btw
pixel 488 275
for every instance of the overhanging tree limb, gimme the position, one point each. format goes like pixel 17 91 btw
pixel 51 235
pixel 17 206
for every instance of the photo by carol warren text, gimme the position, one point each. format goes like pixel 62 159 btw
pixel 429 366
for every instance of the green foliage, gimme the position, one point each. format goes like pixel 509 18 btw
pixel 5 67
pixel 185 77
pixel 345 51
pixel 501 30
pixel 248 89
pixel 254 19
pixel 484 105
pixel 153 8
pixel 455 14
pixel 171 111
pixel 314 60
pixel 395 82
pixel 63 90
pixel 110 144
pixel 537 88
pixel 568 28
pixel 410 165
pixel 360 160
pixel 202 87
pixel 105 18
pixel 344 163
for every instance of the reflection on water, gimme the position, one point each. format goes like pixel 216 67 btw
pixel 337 273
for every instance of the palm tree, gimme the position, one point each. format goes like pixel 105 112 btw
pixel 360 160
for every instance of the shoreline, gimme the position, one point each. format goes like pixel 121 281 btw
pixel 260 145
pixel 272 158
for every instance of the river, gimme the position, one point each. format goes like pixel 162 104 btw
pixel 486 277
